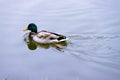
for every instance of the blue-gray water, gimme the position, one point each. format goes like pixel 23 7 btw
pixel 93 29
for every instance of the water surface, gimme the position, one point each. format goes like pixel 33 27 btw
pixel 92 52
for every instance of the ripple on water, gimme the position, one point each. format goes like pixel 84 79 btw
pixel 96 48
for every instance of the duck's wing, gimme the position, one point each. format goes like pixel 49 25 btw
pixel 57 36
pixel 49 37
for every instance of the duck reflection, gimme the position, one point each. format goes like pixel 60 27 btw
pixel 32 45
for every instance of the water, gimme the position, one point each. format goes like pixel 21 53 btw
pixel 92 27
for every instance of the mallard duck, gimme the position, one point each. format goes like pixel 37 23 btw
pixel 44 36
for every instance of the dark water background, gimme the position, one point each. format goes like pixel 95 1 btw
pixel 93 29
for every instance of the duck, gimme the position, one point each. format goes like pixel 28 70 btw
pixel 44 36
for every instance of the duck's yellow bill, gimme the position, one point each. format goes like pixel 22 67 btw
pixel 25 29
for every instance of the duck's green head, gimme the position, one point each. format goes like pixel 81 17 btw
pixel 32 27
